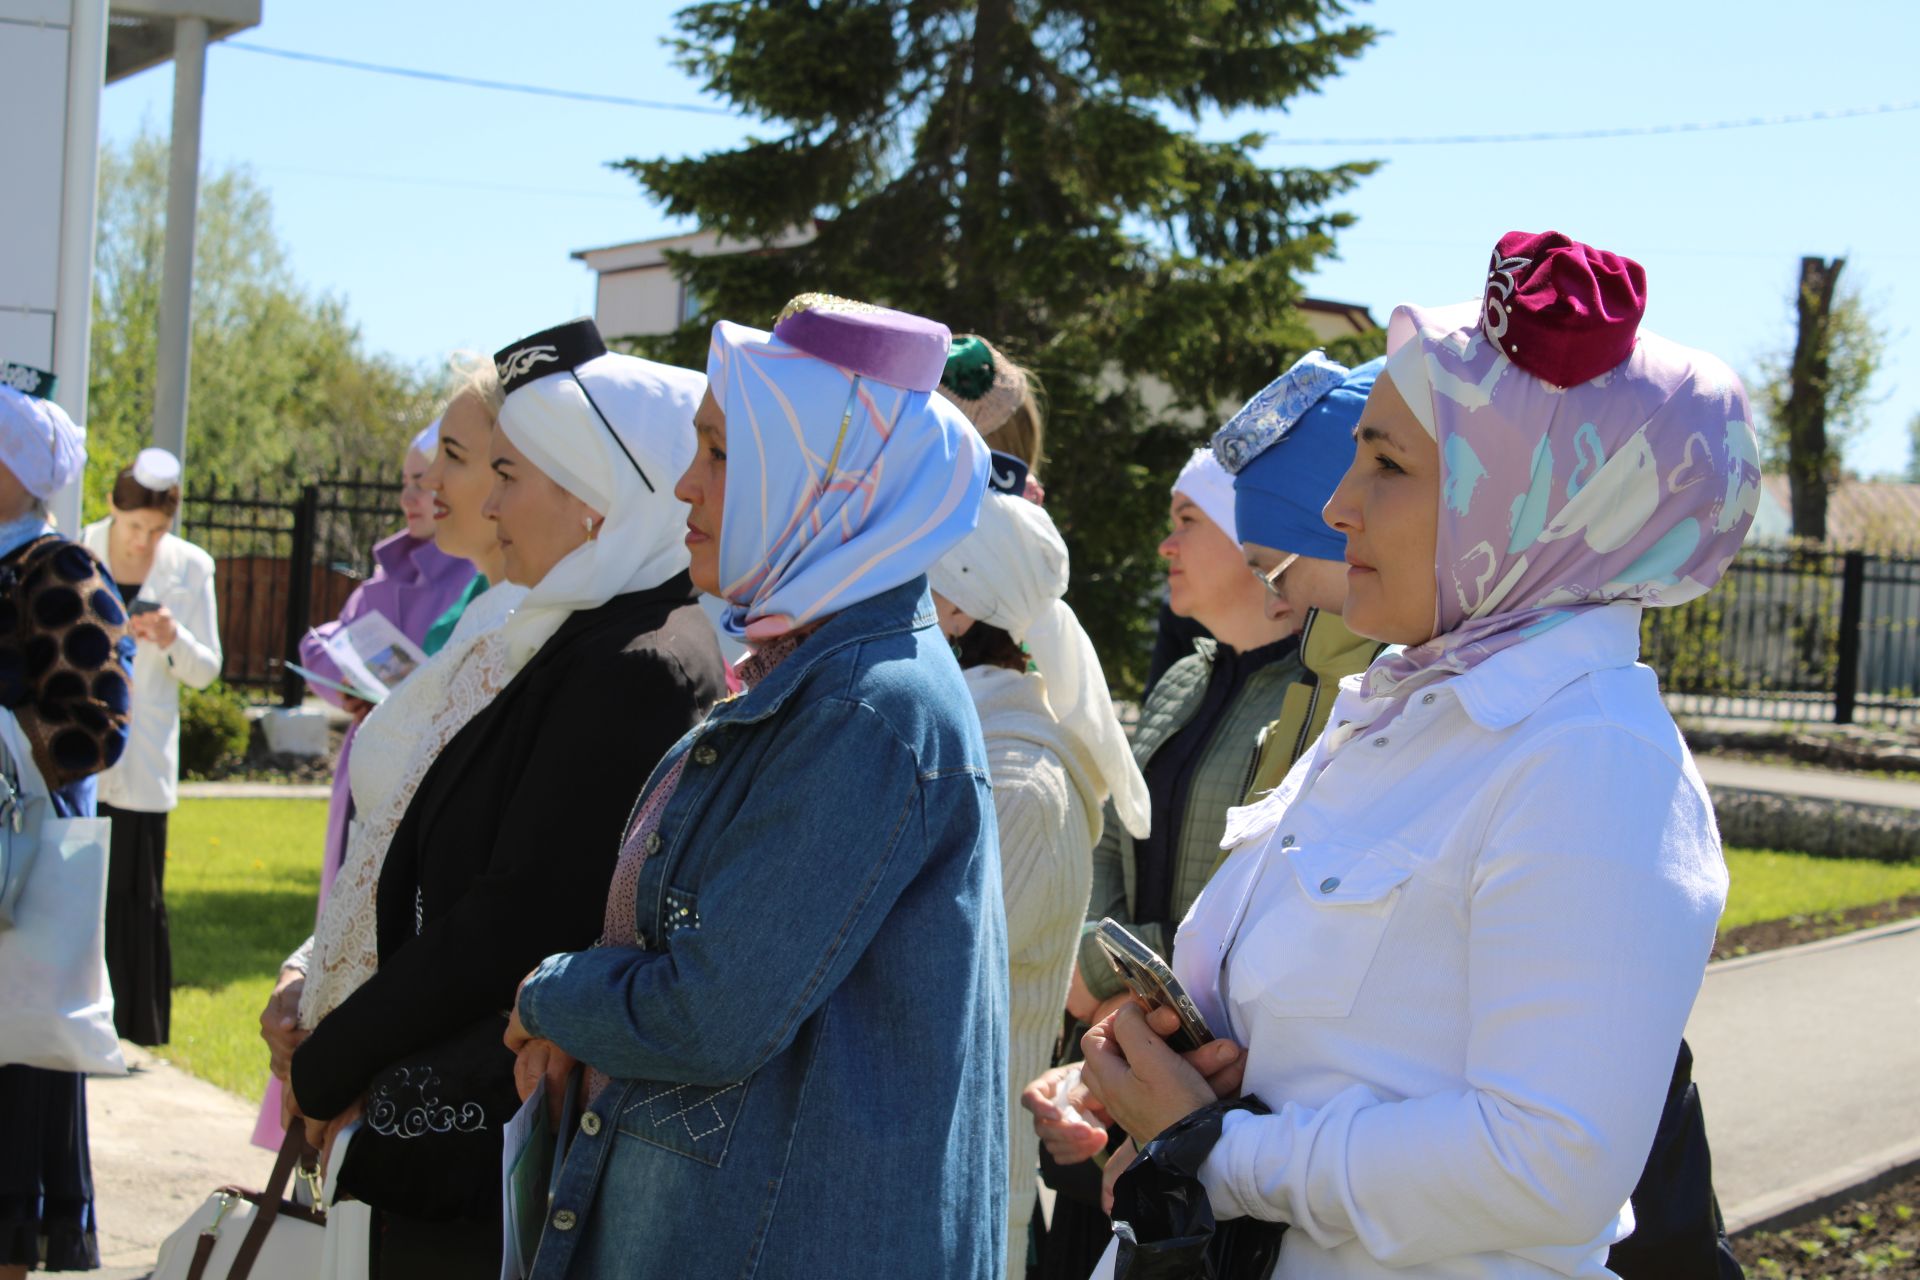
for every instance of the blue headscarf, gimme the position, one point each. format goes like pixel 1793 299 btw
pixel 1289 447
pixel 839 487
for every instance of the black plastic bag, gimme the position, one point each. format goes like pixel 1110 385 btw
pixel 1164 1222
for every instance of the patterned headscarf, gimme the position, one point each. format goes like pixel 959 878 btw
pixel 1637 485
pixel 839 486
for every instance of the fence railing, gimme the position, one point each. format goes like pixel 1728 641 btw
pixel 1796 633
pixel 285 557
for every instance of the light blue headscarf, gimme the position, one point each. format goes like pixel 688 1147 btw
pixel 839 487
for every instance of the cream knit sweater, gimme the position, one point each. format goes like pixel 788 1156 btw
pixel 1047 797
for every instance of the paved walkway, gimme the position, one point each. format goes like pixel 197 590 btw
pixel 1825 784
pixel 162 1141
pixel 255 791
pixel 1808 1062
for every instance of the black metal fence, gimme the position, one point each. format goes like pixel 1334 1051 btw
pixel 1796 633
pixel 286 557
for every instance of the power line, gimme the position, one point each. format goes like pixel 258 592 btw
pixel 1582 135
pixel 1412 140
pixel 505 86
pixel 455 184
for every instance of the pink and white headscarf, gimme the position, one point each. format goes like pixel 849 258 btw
pixel 1636 485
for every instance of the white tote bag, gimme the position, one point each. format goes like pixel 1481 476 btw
pixel 56 1009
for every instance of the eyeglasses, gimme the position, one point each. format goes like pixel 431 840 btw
pixel 1271 578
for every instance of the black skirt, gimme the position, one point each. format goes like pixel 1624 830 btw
pixel 46 1180
pixel 139 953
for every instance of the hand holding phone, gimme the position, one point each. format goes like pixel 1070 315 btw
pixel 1149 977
pixel 135 608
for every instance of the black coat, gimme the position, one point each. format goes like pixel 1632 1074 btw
pixel 504 855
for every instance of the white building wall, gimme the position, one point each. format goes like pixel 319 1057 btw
pixel 33 109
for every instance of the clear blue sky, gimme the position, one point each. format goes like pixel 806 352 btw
pixel 445 215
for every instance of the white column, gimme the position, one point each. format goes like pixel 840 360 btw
pixel 183 195
pixel 79 196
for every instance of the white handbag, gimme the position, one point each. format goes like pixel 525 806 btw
pixel 348 1251
pixel 56 1008
pixel 237 1234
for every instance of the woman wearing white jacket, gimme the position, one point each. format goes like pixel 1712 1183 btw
pixel 167 583
pixel 1055 751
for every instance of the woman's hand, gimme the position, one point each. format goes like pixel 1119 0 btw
pixel 355 707
pixel 517 1036
pixel 539 1060
pixel 280 1021
pixel 1068 1141
pixel 155 626
pixel 321 1133
pixel 1142 1082
pixel 1123 1155
pixel 1080 1001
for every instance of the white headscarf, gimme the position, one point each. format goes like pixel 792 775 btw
pixel 641 543
pixel 1011 573
pixel 39 443
pixel 1205 481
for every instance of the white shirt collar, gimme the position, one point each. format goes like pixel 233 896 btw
pixel 1514 683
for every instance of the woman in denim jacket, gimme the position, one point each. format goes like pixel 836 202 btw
pixel 795 1024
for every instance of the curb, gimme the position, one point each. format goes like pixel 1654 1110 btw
pixel 1816 1196
pixel 1813 948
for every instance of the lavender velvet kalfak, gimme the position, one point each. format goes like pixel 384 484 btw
pixel 901 350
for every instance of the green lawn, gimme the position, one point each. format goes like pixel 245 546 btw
pixel 242 876
pixel 1773 886
pixel 242 879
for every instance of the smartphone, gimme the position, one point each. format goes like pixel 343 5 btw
pixel 137 607
pixel 1148 977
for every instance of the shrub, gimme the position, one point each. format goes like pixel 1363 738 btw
pixel 213 729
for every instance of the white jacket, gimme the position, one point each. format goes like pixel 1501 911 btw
pixel 147 778
pixel 1460 951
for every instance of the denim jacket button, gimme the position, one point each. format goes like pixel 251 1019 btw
pixel 704 754
pixel 653 842
pixel 564 1220
pixel 590 1123
pixel 1428 700
pixel 1286 842
pixel 1330 884
pixel 1379 742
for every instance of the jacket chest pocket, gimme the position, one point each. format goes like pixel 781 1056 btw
pixel 695 1120
pixel 1304 950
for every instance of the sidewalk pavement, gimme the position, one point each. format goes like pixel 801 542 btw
pixel 162 1141
pixel 1808 1062
pixel 255 791
pixel 1820 784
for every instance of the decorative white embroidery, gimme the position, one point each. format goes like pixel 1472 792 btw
pixel 1500 280
pixel 676 1097
pixel 417 1110
pixel 518 362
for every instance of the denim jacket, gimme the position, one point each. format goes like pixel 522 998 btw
pixel 809 1045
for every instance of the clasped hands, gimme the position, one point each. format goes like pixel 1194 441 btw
pixel 536 1058
pixel 1130 1077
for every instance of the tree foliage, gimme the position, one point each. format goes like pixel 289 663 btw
pixel 281 383
pixel 1835 358
pixel 1029 170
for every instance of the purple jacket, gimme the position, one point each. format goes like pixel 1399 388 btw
pixel 413 583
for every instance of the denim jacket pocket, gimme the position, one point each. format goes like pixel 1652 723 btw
pixel 1305 951
pixel 695 1120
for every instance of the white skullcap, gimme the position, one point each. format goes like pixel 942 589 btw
pixel 39 443
pixel 1010 572
pixel 427 441
pixel 155 469
pixel 1207 483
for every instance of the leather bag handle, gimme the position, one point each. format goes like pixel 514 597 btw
pixel 276 1190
